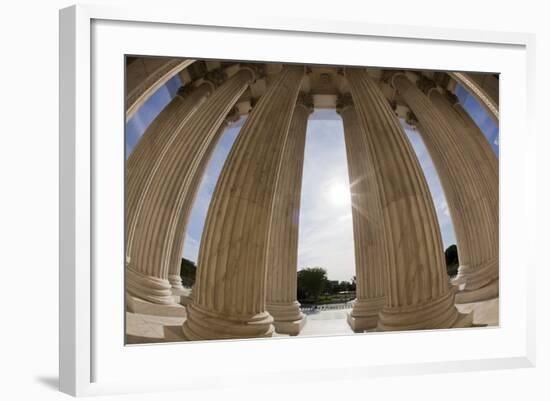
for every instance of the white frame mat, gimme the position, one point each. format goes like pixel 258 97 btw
pixel 93 358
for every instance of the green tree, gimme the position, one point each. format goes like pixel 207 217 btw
pixel 451 260
pixel 188 272
pixel 311 283
pixel 347 286
pixel 331 287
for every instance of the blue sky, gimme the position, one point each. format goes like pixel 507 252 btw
pixel 150 109
pixel 326 232
pixel 479 115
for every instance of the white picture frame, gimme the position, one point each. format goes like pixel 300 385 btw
pixel 91 162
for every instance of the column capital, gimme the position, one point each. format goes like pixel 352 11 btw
pixel 451 97
pixel 425 84
pixel 389 75
pixel 306 100
pixel 343 101
pixel 254 101
pixel 232 117
pixel 185 90
pixel 215 77
pixel 411 119
pixel 257 70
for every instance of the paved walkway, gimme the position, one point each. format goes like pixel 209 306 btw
pixel 154 329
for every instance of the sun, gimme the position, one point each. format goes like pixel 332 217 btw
pixel 338 194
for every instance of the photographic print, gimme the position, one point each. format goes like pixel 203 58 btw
pixel 265 199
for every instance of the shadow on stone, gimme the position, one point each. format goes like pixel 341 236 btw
pixel 131 339
pixel 173 333
pixel 52 382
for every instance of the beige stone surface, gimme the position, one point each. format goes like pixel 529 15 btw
pixel 154 145
pixel 146 75
pixel 488 291
pixel 468 178
pixel 153 231
pixel 141 328
pixel 484 89
pixel 417 290
pixel 246 278
pixel 187 206
pixel 368 221
pixel 137 305
pixel 485 313
pixel 229 293
pixel 282 248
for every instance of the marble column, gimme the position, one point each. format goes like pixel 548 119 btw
pixel 152 232
pixel 282 250
pixel 174 273
pixel 476 282
pixel 145 76
pixel 474 132
pixel 155 143
pixel 230 291
pixel 368 222
pixel 467 180
pixel 472 85
pixel 417 290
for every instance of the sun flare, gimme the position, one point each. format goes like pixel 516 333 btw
pixel 338 194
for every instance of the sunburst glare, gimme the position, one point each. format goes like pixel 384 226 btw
pixel 338 194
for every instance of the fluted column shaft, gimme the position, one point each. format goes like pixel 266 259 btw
pixel 468 181
pixel 472 85
pixel 174 273
pixel 475 133
pixel 155 143
pixel 145 76
pixel 476 281
pixel 417 291
pixel 282 250
pixel 478 146
pixel 149 248
pixel 229 293
pixel 368 223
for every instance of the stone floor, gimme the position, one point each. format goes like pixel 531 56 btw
pixel 485 312
pixel 142 329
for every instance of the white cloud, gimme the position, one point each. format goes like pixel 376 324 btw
pixel 326 232
pixel 191 248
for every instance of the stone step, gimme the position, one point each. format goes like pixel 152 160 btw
pixel 140 306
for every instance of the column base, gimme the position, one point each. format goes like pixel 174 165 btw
pixel 464 320
pixel 137 305
pixel 473 277
pixel 490 291
pixel 182 295
pixel 287 317
pixel 291 328
pixel 152 289
pixel 364 314
pixel 175 282
pixel 437 314
pixel 202 324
